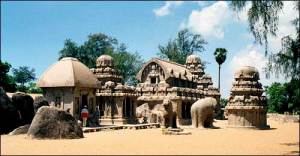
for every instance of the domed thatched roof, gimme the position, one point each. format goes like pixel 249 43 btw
pixel 68 72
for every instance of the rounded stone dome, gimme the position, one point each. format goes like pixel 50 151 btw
pixel 247 72
pixel 104 60
pixel 68 72
pixel 194 59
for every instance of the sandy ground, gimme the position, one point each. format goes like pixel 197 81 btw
pixel 282 138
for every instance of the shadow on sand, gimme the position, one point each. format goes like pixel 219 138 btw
pixel 291 144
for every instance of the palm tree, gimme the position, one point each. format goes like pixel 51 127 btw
pixel 220 56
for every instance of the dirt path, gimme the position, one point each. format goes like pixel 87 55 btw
pixel 281 139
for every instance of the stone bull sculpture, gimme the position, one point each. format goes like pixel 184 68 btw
pixel 202 112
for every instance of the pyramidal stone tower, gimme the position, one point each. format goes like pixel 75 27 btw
pixel 246 106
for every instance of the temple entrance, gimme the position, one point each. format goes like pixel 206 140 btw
pixel 127 107
pixel 101 104
pixel 186 110
pixel 84 101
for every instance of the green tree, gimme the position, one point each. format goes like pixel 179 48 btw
pixel 23 75
pixel 127 63
pixel 223 102
pixel 220 56
pixel 182 46
pixel 32 88
pixel 98 44
pixel 293 95
pixel 70 49
pixel 277 98
pixel 6 81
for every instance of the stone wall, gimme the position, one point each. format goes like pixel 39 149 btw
pixel 283 118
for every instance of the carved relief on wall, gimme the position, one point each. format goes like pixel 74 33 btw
pixel 153 74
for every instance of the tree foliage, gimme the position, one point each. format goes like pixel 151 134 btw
pixel 70 49
pixel 23 75
pixel 127 63
pixel 223 102
pixel 98 44
pixel 262 18
pixel 6 81
pixel 32 88
pixel 287 60
pixel 284 97
pixel 220 55
pixel 182 46
pixel 277 98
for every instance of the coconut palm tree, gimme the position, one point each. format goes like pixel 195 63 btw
pixel 220 56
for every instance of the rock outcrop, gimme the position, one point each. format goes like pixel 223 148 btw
pixel 53 123
pixel 9 116
pixel 20 130
pixel 39 102
pixel 24 103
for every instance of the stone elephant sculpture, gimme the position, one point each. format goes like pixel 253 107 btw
pixel 202 112
pixel 166 114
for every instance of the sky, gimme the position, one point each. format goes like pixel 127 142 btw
pixel 32 33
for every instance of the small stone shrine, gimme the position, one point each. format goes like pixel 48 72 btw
pixel 246 106
pixel 116 101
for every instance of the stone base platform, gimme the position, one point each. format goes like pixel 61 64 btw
pixel 117 127
pixel 174 131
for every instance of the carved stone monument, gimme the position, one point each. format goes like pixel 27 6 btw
pixel 116 100
pixel 246 105
pixel 181 84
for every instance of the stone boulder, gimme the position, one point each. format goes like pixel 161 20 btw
pixel 24 104
pixel 53 123
pixel 9 116
pixel 39 101
pixel 20 130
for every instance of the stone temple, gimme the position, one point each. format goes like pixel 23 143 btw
pixel 246 106
pixel 69 85
pixel 117 102
pixel 183 84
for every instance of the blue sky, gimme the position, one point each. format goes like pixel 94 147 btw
pixel 32 33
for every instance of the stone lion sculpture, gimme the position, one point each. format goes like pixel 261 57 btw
pixel 165 114
pixel 202 112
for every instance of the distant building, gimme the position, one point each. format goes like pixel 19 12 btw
pixel 69 84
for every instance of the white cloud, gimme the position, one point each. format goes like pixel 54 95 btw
pixel 285 27
pixel 165 10
pixel 242 16
pixel 251 56
pixel 210 20
pixel 254 56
